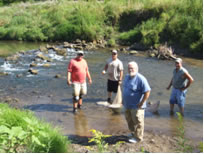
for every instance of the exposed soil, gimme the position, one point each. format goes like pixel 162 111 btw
pixel 153 143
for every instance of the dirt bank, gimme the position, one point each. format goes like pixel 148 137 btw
pixel 153 143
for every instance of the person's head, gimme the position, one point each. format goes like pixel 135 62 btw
pixel 80 54
pixel 178 63
pixel 132 68
pixel 114 54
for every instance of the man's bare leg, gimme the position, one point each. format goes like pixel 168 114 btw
pixel 171 109
pixel 181 110
pixel 109 97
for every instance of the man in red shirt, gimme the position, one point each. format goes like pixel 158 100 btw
pixel 77 72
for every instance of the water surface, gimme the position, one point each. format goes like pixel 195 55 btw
pixel 51 99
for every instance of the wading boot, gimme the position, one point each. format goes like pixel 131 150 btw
pixel 74 110
pixel 109 100
pixel 79 106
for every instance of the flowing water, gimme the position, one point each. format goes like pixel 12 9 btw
pixel 51 99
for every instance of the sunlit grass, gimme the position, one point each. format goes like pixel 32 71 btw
pixel 172 21
pixel 21 131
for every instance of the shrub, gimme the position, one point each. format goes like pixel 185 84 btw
pixel 20 131
pixel 111 42
pixel 148 22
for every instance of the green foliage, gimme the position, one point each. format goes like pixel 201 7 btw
pixel 117 145
pixel 183 145
pixel 176 22
pixel 112 13
pixel 131 36
pixel 12 138
pixel 98 138
pixel 111 42
pixel 150 31
pixel 6 2
pixel 148 22
pixel 20 131
pixel 142 150
pixel 201 146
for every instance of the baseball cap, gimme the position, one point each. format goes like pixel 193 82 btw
pixel 80 52
pixel 114 51
pixel 178 60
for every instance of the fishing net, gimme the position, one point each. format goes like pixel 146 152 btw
pixel 118 98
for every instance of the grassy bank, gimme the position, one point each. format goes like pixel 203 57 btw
pixel 147 22
pixel 21 132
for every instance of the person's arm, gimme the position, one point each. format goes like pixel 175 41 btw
pixel 145 97
pixel 69 82
pixel 69 72
pixel 170 84
pixel 89 77
pixel 121 77
pixel 190 80
pixel 105 69
pixel 88 74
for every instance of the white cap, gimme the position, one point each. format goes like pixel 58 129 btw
pixel 114 51
pixel 80 52
pixel 178 60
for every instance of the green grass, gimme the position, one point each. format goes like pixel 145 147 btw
pixel 182 143
pixel 147 22
pixel 21 131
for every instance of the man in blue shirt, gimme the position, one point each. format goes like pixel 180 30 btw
pixel 136 91
pixel 180 81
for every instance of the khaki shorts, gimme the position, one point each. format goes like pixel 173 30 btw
pixel 79 89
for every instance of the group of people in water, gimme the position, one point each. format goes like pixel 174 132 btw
pixel 136 89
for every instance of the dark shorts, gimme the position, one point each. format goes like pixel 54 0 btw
pixel 112 86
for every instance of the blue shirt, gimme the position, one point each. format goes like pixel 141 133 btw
pixel 133 91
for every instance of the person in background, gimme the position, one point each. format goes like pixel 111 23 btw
pixel 114 69
pixel 77 71
pixel 136 91
pixel 180 81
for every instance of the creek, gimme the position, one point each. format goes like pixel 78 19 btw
pixel 51 99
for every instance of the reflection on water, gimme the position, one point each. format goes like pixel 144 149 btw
pixel 81 124
pixel 51 99
pixel 10 47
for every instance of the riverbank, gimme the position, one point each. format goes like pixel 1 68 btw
pixel 152 143
pixel 150 22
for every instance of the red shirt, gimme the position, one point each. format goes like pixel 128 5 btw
pixel 78 69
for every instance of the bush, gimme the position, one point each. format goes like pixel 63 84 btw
pixel 111 42
pixel 176 22
pixel 148 22
pixel 20 131
pixel 6 2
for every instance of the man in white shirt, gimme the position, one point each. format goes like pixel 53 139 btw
pixel 114 69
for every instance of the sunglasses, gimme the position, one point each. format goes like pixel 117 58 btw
pixel 114 53
pixel 80 54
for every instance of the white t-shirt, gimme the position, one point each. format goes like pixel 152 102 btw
pixel 114 68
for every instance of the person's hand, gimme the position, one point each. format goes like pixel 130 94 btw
pixel 90 81
pixel 167 88
pixel 182 89
pixel 69 82
pixel 140 105
pixel 103 72
pixel 119 82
